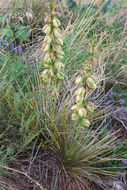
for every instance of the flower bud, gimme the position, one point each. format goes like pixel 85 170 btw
pixel 56 33
pixel 53 93
pixel 90 107
pixel 86 122
pixel 82 112
pixel 56 7
pixel 74 116
pixel 80 91
pixel 58 65
pixel 60 75
pixel 79 99
pixel 91 83
pixel 47 29
pixel 52 36
pixel 54 13
pixel 56 22
pixel 59 41
pixel 79 80
pixel 88 67
pixel 51 55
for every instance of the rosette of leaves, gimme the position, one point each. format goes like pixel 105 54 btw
pixel 52 46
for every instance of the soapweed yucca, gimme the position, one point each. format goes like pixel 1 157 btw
pixel 80 153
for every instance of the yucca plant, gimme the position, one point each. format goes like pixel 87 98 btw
pixel 43 110
pixel 80 154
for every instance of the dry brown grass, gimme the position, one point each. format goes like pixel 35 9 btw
pixel 4 5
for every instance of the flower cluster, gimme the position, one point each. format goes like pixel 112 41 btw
pixel 52 47
pixel 84 82
pixel 5 46
pixel 82 107
pixel 110 93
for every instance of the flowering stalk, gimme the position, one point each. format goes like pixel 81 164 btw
pixel 52 46
pixel 84 82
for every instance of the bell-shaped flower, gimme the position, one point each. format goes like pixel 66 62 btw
pixel 86 122
pixel 74 116
pixel 90 107
pixel 82 112
pixel 47 29
pixel 59 41
pixel 56 33
pixel 91 84
pixel 56 22
pixel 74 108
pixel 46 48
pixel 48 39
pixel 79 80
pixel 79 99
pixel 47 58
pixel 59 51
pixel 80 91
pixel 59 65
pixel 60 75
pixel 45 75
